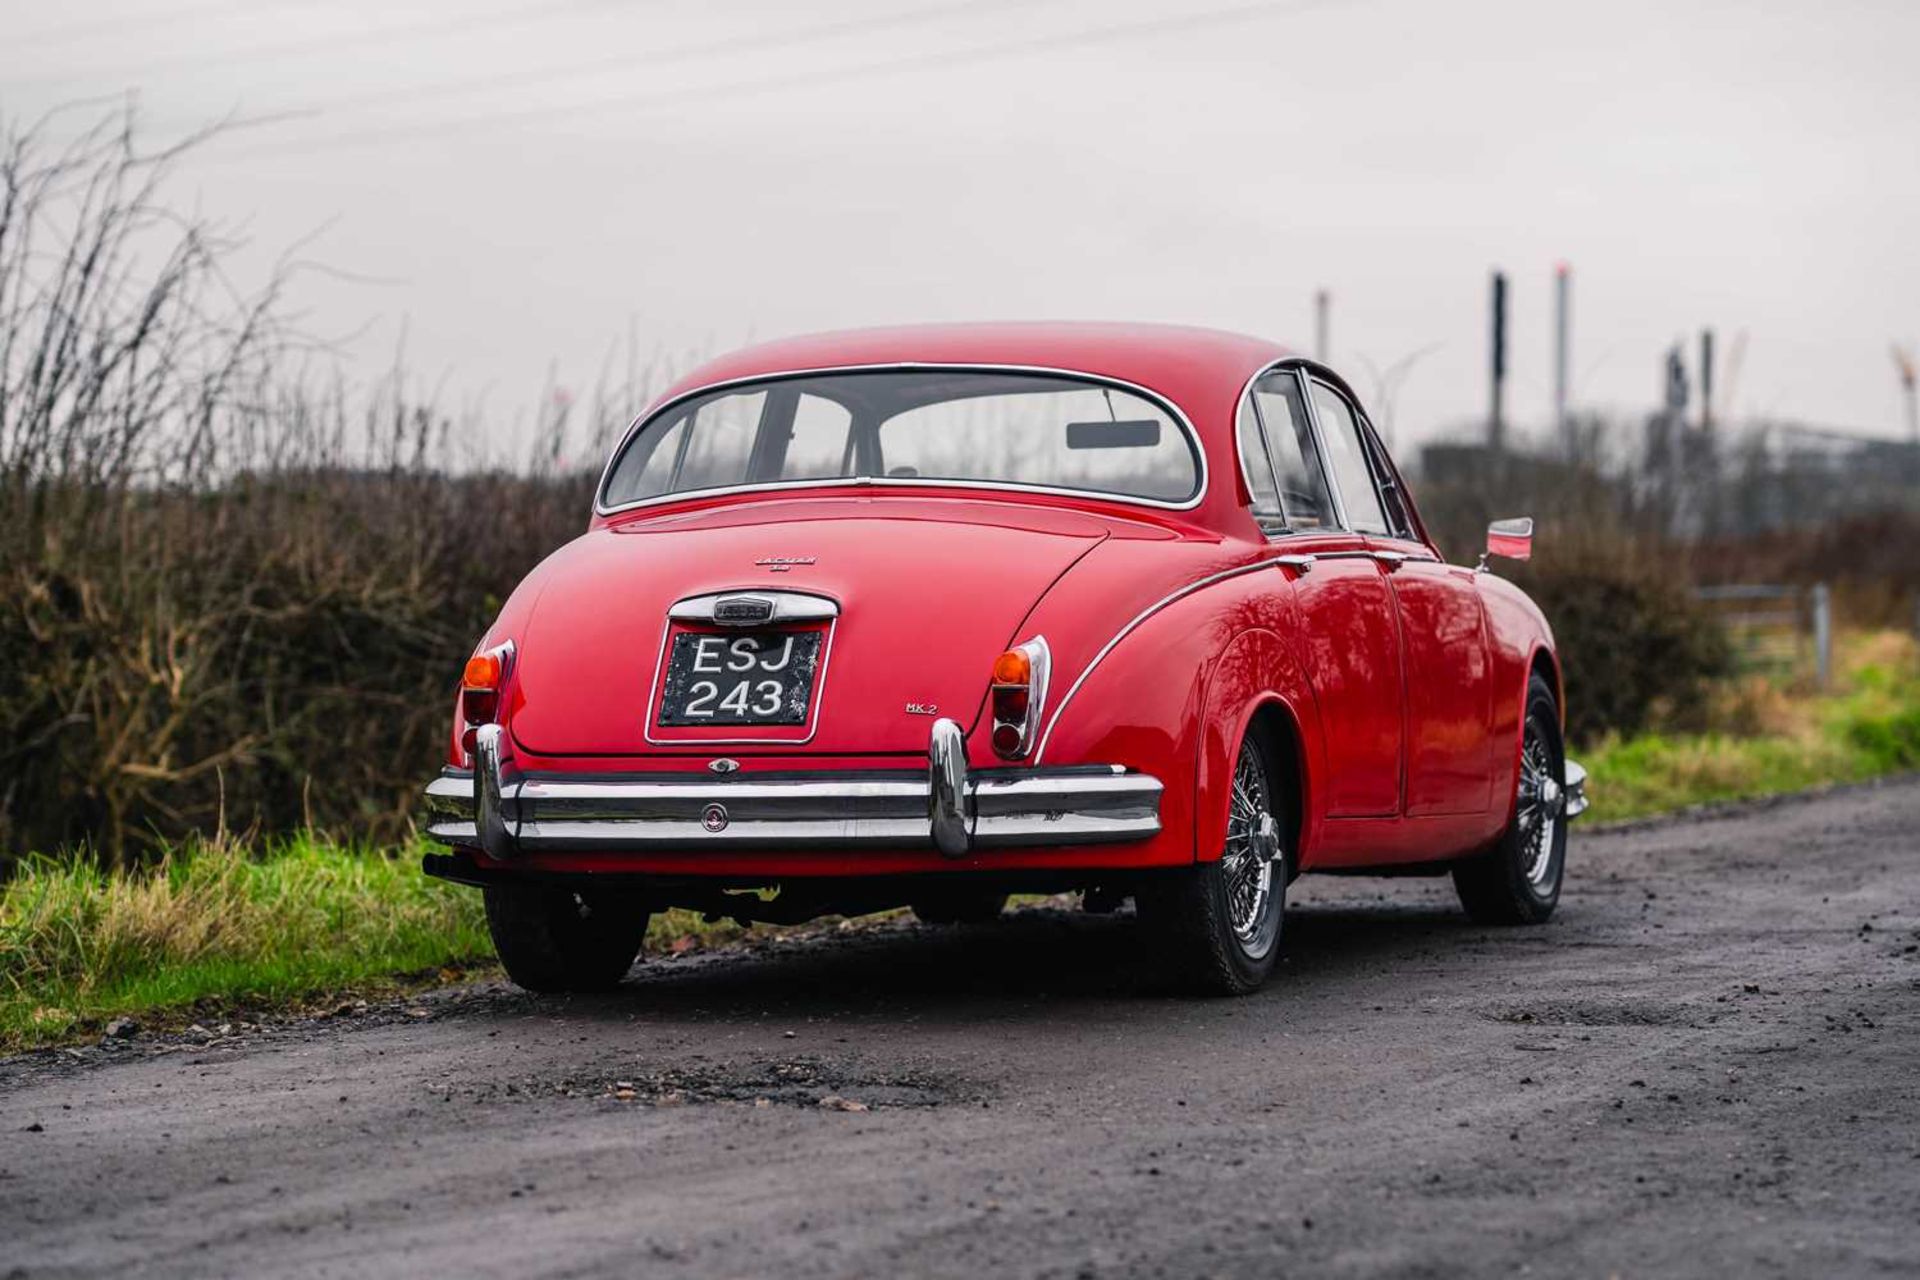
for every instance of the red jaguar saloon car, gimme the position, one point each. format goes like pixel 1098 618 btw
pixel 927 616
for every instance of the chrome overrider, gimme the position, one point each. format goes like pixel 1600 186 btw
pixel 1573 796
pixel 508 813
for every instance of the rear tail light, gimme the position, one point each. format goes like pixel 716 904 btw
pixel 480 686
pixel 1019 696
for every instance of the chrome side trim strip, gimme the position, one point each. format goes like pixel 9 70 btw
pixel 1201 477
pixel 1138 618
pixel 1298 563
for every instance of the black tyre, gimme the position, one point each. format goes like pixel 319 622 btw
pixel 557 940
pixel 959 906
pixel 1220 921
pixel 1518 880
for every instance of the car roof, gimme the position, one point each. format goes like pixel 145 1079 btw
pixel 1201 371
pixel 1170 359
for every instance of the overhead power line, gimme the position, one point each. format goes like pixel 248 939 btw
pixel 146 16
pixel 673 54
pixel 934 60
pixel 516 14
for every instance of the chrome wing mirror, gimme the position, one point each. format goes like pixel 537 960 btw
pixel 1510 538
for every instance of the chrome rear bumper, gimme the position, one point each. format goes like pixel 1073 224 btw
pixel 508 813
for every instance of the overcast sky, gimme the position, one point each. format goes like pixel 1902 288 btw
pixel 522 185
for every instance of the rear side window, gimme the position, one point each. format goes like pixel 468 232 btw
pixel 1259 472
pixel 1296 463
pixel 1347 461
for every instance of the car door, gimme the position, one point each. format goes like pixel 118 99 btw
pixel 1442 624
pixel 1348 641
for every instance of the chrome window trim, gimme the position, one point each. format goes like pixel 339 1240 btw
pixel 1301 372
pixel 1338 499
pixel 1381 463
pixel 1306 371
pixel 1369 443
pixel 1266 447
pixel 1194 442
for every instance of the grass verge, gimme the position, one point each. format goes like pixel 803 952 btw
pixel 299 923
pixel 1766 737
pixel 294 920
pixel 218 926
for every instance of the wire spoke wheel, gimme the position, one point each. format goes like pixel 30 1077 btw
pixel 1517 879
pixel 1541 802
pixel 1247 862
pixel 1220 919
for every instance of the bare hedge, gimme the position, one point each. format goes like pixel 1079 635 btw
pixel 233 595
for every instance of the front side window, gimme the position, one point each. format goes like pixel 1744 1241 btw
pixel 1347 461
pixel 1048 430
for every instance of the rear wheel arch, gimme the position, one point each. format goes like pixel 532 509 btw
pixel 1254 688
pixel 1275 728
pixel 1219 921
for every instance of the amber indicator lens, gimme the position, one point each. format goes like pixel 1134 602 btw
pixel 480 685
pixel 1012 700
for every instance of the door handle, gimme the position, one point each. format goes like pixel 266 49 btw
pixel 1299 564
pixel 1391 559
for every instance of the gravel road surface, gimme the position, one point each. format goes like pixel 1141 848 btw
pixel 1708 1064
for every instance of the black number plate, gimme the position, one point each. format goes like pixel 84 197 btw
pixel 756 677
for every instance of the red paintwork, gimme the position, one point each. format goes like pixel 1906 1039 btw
pixel 1403 687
